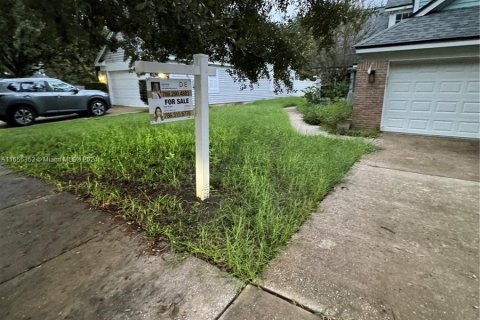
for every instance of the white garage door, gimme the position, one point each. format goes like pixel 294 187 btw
pixel 124 89
pixel 437 98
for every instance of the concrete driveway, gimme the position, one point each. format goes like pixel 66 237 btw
pixel 399 239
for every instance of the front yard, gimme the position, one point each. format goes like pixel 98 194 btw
pixel 266 178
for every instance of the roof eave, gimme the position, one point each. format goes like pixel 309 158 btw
pixel 431 44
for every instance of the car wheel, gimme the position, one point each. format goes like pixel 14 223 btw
pixel 97 108
pixel 22 116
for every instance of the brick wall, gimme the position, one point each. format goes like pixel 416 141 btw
pixel 368 97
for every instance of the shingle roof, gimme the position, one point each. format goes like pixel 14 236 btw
pixel 398 3
pixel 448 25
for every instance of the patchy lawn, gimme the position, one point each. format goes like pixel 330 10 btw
pixel 266 178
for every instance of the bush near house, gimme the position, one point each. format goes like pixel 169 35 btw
pixel 335 92
pixel 326 93
pixel 327 115
pixel 312 94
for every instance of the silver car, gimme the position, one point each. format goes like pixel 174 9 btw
pixel 24 99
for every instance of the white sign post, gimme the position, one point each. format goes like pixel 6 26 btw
pixel 201 71
pixel 202 160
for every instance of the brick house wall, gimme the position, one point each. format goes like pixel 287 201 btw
pixel 368 97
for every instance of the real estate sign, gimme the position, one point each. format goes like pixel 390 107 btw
pixel 169 100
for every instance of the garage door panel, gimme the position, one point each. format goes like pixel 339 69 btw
pixel 473 86
pixel 421 106
pixel 125 88
pixel 424 87
pixel 438 98
pixel 418 124
pixel 451 86
pixel 468 127
pixel 400 87
pixel 393 123
pixel 446 107
pixel 443 125
pixel 471 108
pixel 398 105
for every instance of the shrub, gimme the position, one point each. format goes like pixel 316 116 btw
pixel 96 86
pixel 310 113
pixel 327 115
pixel 312 94
pixel 332 113
pixel 335 92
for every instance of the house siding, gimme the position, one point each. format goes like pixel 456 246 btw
pixel 462 4
pixel 114 57
pixel 226 90
pixel 368 97
pixel 230 91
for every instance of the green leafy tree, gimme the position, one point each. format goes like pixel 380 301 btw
pixel 240 33
pixel 28 43
pixel 21 39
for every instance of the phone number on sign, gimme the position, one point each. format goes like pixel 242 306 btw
pixel 36 159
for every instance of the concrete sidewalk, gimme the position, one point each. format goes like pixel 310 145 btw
pixel 62 260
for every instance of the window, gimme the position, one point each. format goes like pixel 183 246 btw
pixel 401 16
pixel 59 86
pixel 213 83
pixel 14 86
pixel 33 86
pixel 27 86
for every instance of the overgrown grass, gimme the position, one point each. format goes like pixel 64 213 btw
pixel 266 178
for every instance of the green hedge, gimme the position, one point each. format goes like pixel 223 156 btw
pixel 96 86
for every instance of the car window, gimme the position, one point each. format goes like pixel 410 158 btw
pixel 60 86
pixel 13 86
pixel 33 86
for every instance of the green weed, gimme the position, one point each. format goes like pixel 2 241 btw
pixel 266 178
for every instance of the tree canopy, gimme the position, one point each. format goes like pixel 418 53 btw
pixel 240 33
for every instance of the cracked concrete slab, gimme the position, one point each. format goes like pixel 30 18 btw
pixel 256 304
pixel 16 189
pixel 113 278
pixel 41 229
pixel 387 244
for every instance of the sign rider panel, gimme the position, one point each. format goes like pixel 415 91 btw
pixel 169 100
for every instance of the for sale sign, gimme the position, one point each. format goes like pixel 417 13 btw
pixel 169 100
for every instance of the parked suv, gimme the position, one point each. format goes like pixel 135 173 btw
pixel 22 100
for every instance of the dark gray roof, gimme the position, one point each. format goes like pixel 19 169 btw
pixel 448 25
pixel 398 3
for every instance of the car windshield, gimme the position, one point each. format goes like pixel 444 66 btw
pixel 60 86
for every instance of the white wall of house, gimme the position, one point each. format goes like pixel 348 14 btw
pixel 124 90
